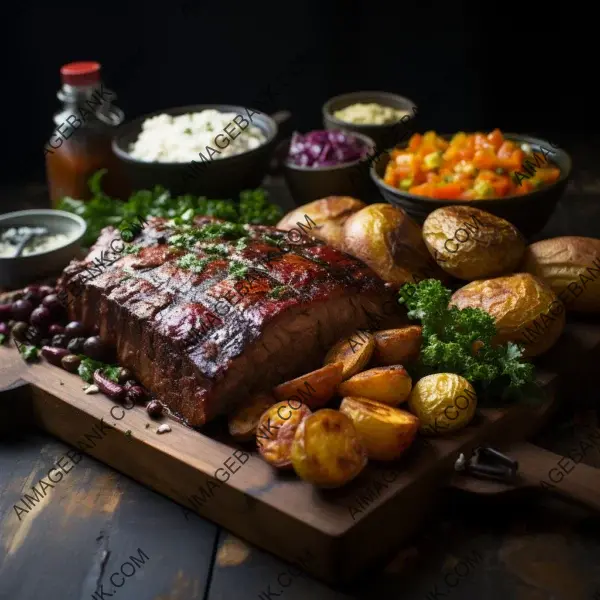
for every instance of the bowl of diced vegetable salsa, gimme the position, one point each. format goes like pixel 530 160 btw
pixel 517 177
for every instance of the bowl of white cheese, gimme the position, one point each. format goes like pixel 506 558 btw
pixel 47 240
pixel 213 150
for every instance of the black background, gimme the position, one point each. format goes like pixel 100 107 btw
pixel 525 67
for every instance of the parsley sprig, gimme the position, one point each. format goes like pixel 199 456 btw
pixel 460 340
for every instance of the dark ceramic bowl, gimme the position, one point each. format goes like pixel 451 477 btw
pixel 312 183
pixel 219 178
pixel 384 136
pixel 529 212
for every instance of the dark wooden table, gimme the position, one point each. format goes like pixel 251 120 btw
pixel 97 534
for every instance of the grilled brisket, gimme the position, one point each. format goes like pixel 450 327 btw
pixel 206 325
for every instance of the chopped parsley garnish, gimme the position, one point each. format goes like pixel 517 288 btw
pixel 271 240
pixel 242 243
pixel 230 231
pixel 450 335
pixel 132 249
pixel 278 291
pixel 88 366
pixel 216 249
pixel 192 263
pixel 2 338
pixel 237 269
pixel 29 353
pixel 187 130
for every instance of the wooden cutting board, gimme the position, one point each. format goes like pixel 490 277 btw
pixel 333 534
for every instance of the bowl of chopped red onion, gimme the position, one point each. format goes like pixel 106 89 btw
pixel 328 163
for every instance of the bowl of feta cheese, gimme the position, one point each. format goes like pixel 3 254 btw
pixel 214 150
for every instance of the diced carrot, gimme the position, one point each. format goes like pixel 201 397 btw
pixel 425 189
pixel 495 138
pixel 448 191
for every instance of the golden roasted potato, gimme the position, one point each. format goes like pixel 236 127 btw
pixel 327 450
pixel 390 385
pixel 354 357
pixel 397 346
pixel 276 429
pixel 525 309
pixel 315 389
pixel 390 242
pixel 384 431
pixel 470 243
pixel 329 214
pixel 570 265
pixel 443 403
pixel 243 422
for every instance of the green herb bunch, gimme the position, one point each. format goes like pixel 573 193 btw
pixel 460 340
pixel 102 210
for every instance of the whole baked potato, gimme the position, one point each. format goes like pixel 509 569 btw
pixel 329 214
pixel 570 265
pixel 390 242
pixel 470 243
pixel 525 309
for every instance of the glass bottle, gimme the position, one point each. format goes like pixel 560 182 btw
pixel 80 144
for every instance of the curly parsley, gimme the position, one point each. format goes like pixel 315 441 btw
pixel 460 341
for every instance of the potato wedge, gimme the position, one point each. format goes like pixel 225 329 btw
pixel 315 389
pixel 243 422
pixel 384 431
pixel 327 450
pixel 353 356
pixel 397 346
pixel 390 385
pixel 276 429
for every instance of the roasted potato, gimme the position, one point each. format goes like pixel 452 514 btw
pixel 525 309
pixel 470 243
pixel 397 346
pixel 390 242
pixel 243 422
pixel 276 429
pixel 390 385
pixel 443 403
pixel 327 450
pixel 570 265
pixel 353 356
pixel 385 432
pixel 329 214
pixel 315 389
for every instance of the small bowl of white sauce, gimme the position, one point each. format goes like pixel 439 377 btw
pixel 43 255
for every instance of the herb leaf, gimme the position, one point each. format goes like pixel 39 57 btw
pixel 460 341
pixel 88 366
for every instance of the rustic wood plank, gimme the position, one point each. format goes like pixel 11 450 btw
pixel 79 532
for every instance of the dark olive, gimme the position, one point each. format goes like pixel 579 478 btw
pixel 60 340
pixel 21 310
pixel 124 375
pixel 33 298
pixel 45 290
pixel 136 394
pixel 32 289
pixel 12 323
pixel 70 363
pixel 52 303
pixel 56 328
pixel 46 342
pixel 76 345
pixel 40 317
pixel 5 312
pixel 129 383
pixel 155 409
pixel 75 329
pixel 33 336
pixel 95 348
pixel 19 330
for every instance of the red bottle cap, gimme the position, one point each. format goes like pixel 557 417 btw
pixel 80 73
